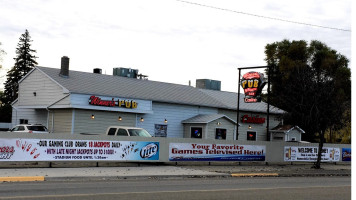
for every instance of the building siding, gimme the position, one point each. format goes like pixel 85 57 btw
pixel 103 119
pixel 224 124
pixel 174 114
pixel 62 121
pixel 294 133
pixel 47 91
pixel 34 116
pixel 260 129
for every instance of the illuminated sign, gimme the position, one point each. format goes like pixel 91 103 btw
pixel 97 101
pixel 253 120
pixel 252 83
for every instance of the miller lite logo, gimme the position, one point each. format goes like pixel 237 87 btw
pixel 149 150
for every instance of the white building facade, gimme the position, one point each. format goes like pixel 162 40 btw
pixel 81 102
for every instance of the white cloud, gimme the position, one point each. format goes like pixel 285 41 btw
pixel 168 40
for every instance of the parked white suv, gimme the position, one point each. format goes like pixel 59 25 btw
pixel 29 128
pixel 127 131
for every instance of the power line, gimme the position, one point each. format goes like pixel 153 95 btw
pixel 265 17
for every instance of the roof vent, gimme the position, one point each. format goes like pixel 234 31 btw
pixel 97 71
pixel 125 72
pixel 208 84
pixel 64 67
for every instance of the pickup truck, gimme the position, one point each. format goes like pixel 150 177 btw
pixel 127 131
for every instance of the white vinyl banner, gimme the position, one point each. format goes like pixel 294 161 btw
pixel 216 152
pixel 310 154
pixel 68 150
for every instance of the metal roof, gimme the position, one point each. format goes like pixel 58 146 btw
pixel 286 129
pixel 205 118
pixel 116 86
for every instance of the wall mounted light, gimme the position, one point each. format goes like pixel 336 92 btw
pixel 141 120
pixel 165 121
pixel 219 123
pixel 34 94
pixel 249 126
pixel 119 119
pixel 92 117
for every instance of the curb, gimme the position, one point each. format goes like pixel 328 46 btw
pixel 22 178
pixel 255 175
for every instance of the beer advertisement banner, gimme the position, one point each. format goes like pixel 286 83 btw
pixel 310 154
pixel 79 150
pixel 216 152
pixel 346 154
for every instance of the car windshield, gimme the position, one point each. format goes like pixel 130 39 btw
pixel 37 128
pixel 139 132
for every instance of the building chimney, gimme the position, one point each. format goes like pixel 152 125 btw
pixel 64 66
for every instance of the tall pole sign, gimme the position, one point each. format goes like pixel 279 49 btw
pixel 252 83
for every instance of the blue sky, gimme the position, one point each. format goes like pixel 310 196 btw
pixel 168 40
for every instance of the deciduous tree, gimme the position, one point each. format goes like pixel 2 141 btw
pixel 312 83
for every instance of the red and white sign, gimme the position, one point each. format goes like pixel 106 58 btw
pixel 68 150
pixel 253 120
pixel 252 83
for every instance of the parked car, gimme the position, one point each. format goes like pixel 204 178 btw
pixel 127 131
pixel 29 128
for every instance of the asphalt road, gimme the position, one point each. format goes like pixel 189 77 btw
pixel 190 188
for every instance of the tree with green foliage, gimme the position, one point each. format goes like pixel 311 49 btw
pixel 24 62
pixel 312 82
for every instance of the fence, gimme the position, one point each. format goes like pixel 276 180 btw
pixel 100 148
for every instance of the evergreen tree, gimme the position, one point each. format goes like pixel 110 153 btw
pixel 24 62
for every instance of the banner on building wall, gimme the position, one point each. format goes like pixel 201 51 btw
pixel 79 150
pixel 346 154
pixel 215 152
pixel 310 154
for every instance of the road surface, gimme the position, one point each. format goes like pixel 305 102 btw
pixel 188 188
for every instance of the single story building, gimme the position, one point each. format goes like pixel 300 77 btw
pixel 76 102
pixel 286 133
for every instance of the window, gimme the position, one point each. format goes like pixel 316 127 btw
pixel 37 128
pixel 21 128
pixel 138 132
pixel 220 134
pixel 122 132
pixel 251 135
pixel 196 132
pixel 112 131
pixel 294 139
pixel 160 130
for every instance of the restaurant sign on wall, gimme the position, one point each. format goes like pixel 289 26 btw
pixel 97 101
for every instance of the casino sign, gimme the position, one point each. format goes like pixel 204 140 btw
pixel 252 83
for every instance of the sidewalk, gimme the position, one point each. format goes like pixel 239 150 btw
pixel 166 171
